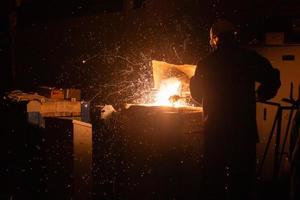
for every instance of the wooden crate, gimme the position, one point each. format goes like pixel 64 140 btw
pixel 51 92
pixel 54 108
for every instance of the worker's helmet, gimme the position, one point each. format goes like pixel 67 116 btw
pixel 222 31
pixel 222 27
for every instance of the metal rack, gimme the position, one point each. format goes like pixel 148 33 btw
pixel 277 123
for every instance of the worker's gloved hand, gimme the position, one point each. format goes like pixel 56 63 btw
pixel 268 90
pixel 264 93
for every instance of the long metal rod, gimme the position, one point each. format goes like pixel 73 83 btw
pixel 268 143
pixel 285 137
pixel 277 145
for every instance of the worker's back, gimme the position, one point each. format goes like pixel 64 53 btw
pixel 224 82
pixel 228 77
pixel 229 98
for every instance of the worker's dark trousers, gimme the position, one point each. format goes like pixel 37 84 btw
pixel 229 171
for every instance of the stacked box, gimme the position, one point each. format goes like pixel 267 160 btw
pixel 51 92
pixel 72 93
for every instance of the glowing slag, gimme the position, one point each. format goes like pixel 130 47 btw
pixel 168 87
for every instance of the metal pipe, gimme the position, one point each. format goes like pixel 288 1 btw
pixel 277 145
pixel 268 143
pixel 286 136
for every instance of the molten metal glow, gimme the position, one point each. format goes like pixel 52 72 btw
pixel 168 88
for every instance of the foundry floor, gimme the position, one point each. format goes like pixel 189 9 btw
pixel 24 176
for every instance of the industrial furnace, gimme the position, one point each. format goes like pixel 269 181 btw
pixel 161 139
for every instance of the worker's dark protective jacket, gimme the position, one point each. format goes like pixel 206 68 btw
pixel 225 82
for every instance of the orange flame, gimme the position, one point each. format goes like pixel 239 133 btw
pixel 168 88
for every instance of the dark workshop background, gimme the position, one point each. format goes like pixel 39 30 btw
pixel 106 46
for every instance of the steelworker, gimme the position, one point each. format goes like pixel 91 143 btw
pixel 224 83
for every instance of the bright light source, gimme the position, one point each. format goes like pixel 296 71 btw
pixel 168 88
